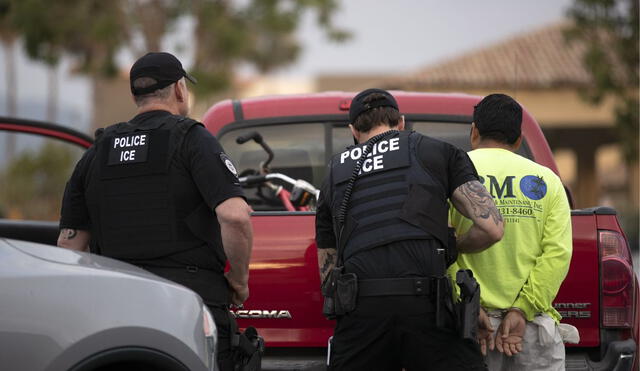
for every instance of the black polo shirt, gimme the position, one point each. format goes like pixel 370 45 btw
pixel 200 159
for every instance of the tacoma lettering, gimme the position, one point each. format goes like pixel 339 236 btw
pixel 261 314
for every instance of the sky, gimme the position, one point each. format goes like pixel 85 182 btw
pixel 401 35
pixel 388 37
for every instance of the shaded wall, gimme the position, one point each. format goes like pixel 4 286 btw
pixel 112 102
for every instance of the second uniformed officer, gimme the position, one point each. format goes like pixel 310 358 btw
pixel 382 241
pixel 159 192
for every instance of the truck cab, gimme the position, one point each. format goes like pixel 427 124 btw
pixel 599 295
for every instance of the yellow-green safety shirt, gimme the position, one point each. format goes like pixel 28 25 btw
pixel 526 268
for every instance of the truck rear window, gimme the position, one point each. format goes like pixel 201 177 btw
pixel 300 149
pixel 456 134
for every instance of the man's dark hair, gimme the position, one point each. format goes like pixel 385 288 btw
pixel 498 117
pixel 376 116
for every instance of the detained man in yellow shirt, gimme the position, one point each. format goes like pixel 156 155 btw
pixel 520 275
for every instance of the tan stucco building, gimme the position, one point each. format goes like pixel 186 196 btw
pixel 545 74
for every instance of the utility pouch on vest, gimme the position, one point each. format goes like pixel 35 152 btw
pixel 329 292
pixel 443 290
pixel 334 301
pixel 340 292
pixel 346 293
pixel 468 308
pixel 444 303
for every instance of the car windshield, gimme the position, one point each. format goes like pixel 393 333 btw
pixel 300 150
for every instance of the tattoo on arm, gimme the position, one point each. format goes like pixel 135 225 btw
pixel 327 262
pixel 480 201
pixel 69 234
pixel 74 239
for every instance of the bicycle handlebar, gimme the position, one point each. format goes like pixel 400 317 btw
pixel 303 184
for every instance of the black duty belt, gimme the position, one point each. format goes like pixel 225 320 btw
pixel 418 286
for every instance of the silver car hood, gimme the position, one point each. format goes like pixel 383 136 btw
pixel 59 255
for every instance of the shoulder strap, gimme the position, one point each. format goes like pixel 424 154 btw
pixel 98 133
pixel 101 133
pixel 182 125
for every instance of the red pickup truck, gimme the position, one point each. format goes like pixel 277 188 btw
pixel 599 296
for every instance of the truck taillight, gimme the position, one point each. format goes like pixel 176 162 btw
pixel 616 279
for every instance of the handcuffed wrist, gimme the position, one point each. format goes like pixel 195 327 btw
pixel 516 309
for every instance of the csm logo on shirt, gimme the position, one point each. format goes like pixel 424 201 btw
pixel 532 186
pixel 513 208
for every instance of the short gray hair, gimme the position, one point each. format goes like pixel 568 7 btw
pixel 144 82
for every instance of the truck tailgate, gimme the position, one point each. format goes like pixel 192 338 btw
pixel 578 300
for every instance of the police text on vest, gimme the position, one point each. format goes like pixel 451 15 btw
pixel 133 141
pixel 375 158
pixel 129 149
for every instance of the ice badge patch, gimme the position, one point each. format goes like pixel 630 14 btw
pixel 227 162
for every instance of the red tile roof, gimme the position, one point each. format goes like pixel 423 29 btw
pixel 539 59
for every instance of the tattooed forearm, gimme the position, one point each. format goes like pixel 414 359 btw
pixel 480 201
pixel 326 262
pixel 74 239
pixel 68 234
pixel 473 201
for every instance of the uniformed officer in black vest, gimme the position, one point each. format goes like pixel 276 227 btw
pixel 159 192
pixel 384 205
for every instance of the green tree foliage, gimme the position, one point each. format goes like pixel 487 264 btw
pixel 7 23
pixel 153 19
pixel 34 182
pixel 90 30
pixel 609 30
pixel 259 33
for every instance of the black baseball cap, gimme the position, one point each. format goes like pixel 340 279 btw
pixel 162 67
pixel 358 106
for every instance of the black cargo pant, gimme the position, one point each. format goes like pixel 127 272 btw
pixel 392 333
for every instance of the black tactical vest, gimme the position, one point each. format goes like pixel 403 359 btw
pixel 394 198
pixel 139 208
